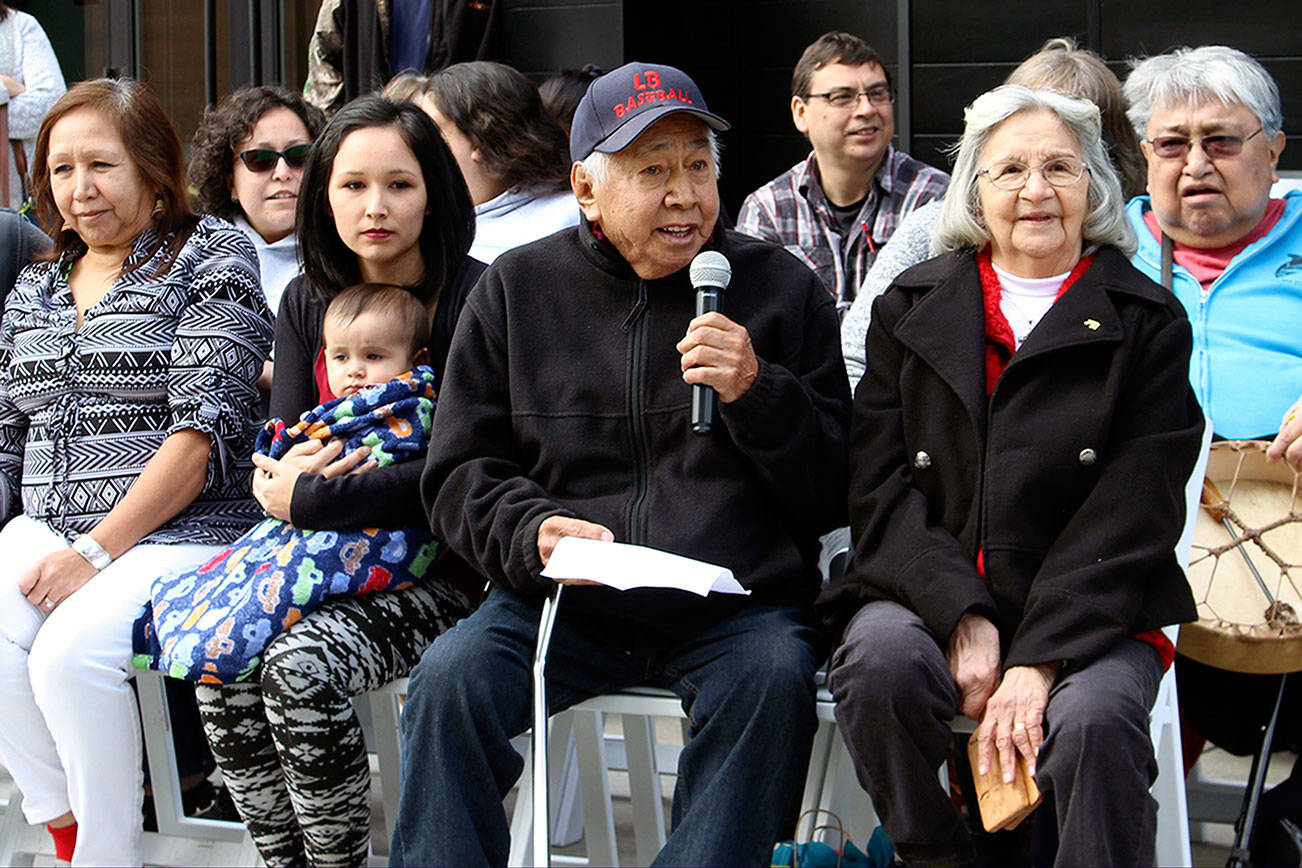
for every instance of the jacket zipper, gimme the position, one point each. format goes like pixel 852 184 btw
pixel 636 325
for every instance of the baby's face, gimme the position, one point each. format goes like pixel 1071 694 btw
pixel 365 352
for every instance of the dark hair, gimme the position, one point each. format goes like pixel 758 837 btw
pixel 833 47
pixel 560 94
pixel 449 225
pixel 223 127
pixel 4 10
pixel 499 110
pixel 1062 65
pixel 153 148
pixel 387 300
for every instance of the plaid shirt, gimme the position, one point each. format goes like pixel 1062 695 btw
pixel 792 210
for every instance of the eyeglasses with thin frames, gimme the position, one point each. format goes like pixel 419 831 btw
pixel 845 97
pixel 1218 147
pixel 1012 175
pixel 264 159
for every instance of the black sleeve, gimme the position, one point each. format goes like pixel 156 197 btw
pixel 448 312
pixel 35 241
pixel 475 488
pixel 383 497
pixel 900 553
pixel 792 423
pixel 298 339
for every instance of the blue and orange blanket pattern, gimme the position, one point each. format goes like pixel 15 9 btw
pixel 213 622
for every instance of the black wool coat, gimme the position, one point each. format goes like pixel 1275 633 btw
pixel 1070 477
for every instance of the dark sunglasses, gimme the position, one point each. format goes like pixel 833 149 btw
pixel 1215 147
pixel 265 159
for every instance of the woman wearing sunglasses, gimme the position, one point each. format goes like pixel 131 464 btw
pixel 1019 450
pixel 246 163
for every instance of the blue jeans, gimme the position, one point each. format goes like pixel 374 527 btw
pixel 747 686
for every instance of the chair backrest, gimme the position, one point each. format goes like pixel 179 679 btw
pixel 15 251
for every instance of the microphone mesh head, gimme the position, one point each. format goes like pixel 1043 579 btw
pixel 710 268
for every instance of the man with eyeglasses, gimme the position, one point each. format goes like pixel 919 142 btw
pixel 1209 122
pixel 835 209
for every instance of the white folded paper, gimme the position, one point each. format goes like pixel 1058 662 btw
pixel 624 566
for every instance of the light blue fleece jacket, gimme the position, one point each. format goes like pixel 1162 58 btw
pixel 518 216
pixel 1246 367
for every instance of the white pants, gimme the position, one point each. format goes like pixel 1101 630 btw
pixel 69 729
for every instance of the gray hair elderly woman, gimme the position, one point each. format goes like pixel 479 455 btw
pixel 1059 65
pixel 1019 451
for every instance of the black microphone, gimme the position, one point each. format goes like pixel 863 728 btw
pixel 710 274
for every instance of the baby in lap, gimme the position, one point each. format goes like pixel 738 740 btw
pixel 211 623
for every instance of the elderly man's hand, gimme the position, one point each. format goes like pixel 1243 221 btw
pixel 556 526
pixel 1014 719
pixel 1288 442
pixel 974 662
pixel 717 352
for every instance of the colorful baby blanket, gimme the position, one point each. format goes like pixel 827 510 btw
pixel 212 623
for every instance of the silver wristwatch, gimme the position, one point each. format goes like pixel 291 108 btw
pixel 92 551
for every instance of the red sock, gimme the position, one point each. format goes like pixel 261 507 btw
pixel 65 841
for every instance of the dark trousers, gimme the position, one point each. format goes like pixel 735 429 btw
pixel 896 697
pixel 746 683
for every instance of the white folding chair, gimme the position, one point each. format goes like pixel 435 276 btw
pixel 180 839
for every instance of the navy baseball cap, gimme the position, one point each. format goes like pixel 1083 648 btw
pixel 620 105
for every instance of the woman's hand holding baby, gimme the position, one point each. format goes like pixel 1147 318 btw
pixel 274 480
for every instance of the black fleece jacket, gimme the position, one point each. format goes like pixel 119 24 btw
pixel 564 396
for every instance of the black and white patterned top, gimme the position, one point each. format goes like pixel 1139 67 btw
pixel 83 411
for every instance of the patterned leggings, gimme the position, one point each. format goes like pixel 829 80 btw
pixel 288 743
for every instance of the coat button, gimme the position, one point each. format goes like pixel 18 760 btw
pixel 922 460
pixel 1088 457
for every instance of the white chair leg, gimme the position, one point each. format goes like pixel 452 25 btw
pixel 843 796
pixel 644 786
pixel 566 804
pixel 385 718
pixel 819 758
pixel 19 842
pixel 1172 845
pixel 566 793
pixel 522 816
pixel 594 782
pixel 165 778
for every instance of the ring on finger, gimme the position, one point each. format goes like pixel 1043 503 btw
pixel 1019 726
pixel 47 603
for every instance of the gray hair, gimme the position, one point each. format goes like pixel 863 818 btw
pixel 597 164
pixel 960 224
pixel 1190 76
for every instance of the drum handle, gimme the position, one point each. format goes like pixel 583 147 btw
pixel 1215 504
